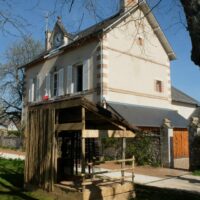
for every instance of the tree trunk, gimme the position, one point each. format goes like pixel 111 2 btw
pixel 192 12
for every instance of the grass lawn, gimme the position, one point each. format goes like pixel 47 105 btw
pixel 196 172
pixel 11 184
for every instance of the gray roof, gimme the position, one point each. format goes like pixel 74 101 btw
pixel 196 113
pixel 106 24
pixel 143 116
pixel 179 96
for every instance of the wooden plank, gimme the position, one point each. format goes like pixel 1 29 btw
pixel 112 161
pixel 91 181
pixel 57 104
pixel 67 104
pixel 69 127
pixel 123 164
pixel 90 133
pixel 108 133
pixel 113 170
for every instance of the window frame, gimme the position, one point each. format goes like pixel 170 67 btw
pixel 159 86
pixel 57 81
pixel 75 77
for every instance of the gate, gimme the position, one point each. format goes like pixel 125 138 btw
pixel 180 143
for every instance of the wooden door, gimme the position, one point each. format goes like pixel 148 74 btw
pixel 180 143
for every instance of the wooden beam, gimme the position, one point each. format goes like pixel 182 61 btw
pixel 57 104
pixel 95 110
pixel 108 133
pixel 68 103
pixel 69 127
pixel 123 164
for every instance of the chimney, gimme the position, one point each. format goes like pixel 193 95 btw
pixel 127 4
pixel 47 40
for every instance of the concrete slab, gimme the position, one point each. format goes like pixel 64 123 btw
pixel 184 182
pixel 181 163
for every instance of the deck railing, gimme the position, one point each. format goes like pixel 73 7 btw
pixel 93 175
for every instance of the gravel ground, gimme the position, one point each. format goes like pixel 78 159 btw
pixel 12 154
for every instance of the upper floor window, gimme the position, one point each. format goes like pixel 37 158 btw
pixel 78 78
pixel 55 84
pixel 158 86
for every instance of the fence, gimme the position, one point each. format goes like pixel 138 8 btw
pixel 10 141
pixel 122 178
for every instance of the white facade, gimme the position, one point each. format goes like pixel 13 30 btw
pixel 184 109
pixel 124 64
pixel 133 67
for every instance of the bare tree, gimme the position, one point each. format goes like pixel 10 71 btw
pixel 12 78
pixel 9 19
pixel 11 22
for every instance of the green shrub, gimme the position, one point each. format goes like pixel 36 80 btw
pixel 144 147
pixel 196 173
pixel 144 150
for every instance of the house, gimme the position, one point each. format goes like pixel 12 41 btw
pixel 183 103
pixel 9 136
pixel 106 80
pixel 12 126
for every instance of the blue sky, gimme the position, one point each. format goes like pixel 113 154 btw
pixel 184 74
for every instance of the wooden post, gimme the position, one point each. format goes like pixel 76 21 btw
pixel 52 178
pixel 123 157
pixel 56 146
pixel 83 148
pixel 76 153
pixel 83 143
pixel 133 166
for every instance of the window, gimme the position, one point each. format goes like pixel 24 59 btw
pixel 78 78
pixel 32 89
pixel 55 84
pixel 158 86
pixel 140 41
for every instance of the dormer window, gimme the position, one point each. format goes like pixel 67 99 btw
pixel 58 39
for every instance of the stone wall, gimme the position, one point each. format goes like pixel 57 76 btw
pixel 10 141
pixel 194 142
pixel 145 147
